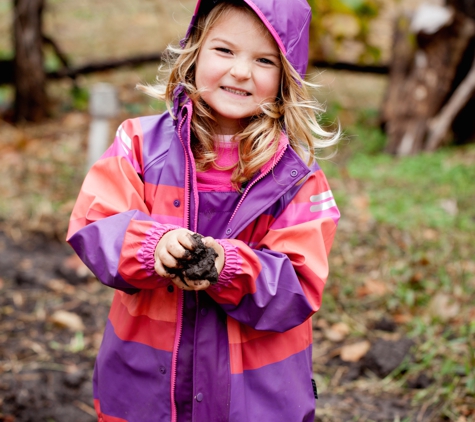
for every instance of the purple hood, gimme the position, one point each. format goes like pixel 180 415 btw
pixel 287 20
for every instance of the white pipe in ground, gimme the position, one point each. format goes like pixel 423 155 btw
pixel 103 105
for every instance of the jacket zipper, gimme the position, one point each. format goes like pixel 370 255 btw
pixel 188 159
pixel 260 177
pixel 187 177
pixel 175 353
pixel 189 107
pixel 180 293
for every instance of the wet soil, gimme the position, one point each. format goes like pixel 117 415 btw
pixel 46 363
pixel 198 263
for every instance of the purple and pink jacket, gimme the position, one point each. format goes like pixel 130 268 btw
pixel 241 350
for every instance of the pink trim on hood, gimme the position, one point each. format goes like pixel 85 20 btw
pixel 268 26
pixel 198 4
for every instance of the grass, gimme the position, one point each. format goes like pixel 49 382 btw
pixel 434 190
pixel 408 224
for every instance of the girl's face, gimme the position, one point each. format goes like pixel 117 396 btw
pixel 238 68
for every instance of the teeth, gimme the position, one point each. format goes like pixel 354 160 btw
pixel 235 91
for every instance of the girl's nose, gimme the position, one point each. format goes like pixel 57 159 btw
pixel 241 70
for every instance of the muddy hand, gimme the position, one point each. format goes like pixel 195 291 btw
pixel 190 285
pixel 174 245
pixel 211 242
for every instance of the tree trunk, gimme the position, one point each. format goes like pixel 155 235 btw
pixel 466 7
pixel 423 75
pixel 462 127
pixel 30 79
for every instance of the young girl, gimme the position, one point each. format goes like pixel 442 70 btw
pixel 232 160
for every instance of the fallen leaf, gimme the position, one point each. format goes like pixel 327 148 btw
pixel 417 277
pixel 74 120
pixel 60 286
pixel 430 234
pixel 337 332
pixel 424 261
pixel 67 320
pixel 12 137
pixel 468 266
pixel 449 206
pixel 360 202
pixel 444 307
pixel 354 352
pixel 74 263
pixel 402 318
pixel 360 205
pixel 373 287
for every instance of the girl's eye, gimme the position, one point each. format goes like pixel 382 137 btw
pixel 265 61
pixel 224 50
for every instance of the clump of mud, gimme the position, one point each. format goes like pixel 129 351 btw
pixel 197 264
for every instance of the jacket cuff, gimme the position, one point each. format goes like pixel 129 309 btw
pixel 232 264
pixel 146 254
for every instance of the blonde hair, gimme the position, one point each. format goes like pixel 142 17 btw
pixel 294 110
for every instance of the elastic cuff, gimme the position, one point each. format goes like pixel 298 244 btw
pixel 232 264
pixel 146 254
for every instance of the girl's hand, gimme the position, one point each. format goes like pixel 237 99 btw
pixel 219 263
pixel 176 244
pixel 173 245
pixel 210 242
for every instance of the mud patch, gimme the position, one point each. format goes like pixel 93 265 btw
pixel 46 368
pixel 362 407
pixel 198 264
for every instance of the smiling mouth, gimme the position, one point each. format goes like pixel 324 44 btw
pixel 236 91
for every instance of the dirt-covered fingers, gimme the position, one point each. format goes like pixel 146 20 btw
pixel 178 243
pixel 190 285
pixel 177 251
pixel 161 268
pixel 211 243
pixel 163 261
pixel 170 248
pixel 180 284
pixel 197 284
pixel 186 240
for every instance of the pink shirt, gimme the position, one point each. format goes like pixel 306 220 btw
pixel 220 180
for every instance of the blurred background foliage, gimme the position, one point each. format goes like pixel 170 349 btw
pixel 335 22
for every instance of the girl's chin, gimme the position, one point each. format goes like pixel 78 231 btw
pixel 230 126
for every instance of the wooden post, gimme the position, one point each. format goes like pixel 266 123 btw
pixel 103 105
pixel 30 94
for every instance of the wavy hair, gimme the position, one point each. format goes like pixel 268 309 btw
pixel 294 111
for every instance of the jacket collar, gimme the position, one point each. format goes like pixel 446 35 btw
pixel 183 107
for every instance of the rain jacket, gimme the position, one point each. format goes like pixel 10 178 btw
pixel 251 333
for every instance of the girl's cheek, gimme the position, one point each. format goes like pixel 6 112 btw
pixel 269 84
